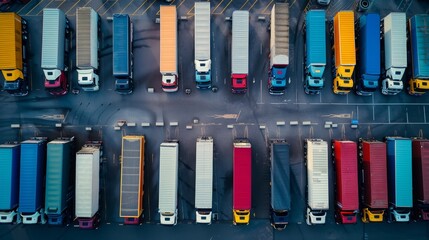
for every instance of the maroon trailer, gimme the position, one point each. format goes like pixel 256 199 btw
pixel 421 178
pixel 373 161
pixel 347 197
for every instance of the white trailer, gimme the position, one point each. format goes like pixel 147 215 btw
pixel 168 182
pixel 316 155
pixel 87 48
pixel 395 52
pixel 204 180
pixel 240 51
pixel 87 181
pixel 202 45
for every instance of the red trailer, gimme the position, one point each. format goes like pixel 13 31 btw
pixel 374 181
pixel 242 181
pixel 421 178
pixel 347 199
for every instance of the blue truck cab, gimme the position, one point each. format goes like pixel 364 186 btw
pixel 123 53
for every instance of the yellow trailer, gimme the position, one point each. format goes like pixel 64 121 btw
pixel 168 49
pixel 344 52
pixel 13 65
pixel 132 179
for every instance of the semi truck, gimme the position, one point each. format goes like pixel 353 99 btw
pixel 421 178
pixel 419 33
pixel 31 182
pixel 123 53
pixel 88 38
pixel 316 160
pixel 240 51
pixel 242 181
pixel 60 180
pixel 168 49
pixel 168 182
pixel 14 64
pixel 368 72
pixel 344 52
pixel 399 175
pixel 55 50
pixel 346 181
pixel 9 179
pixel 280 183
pixel 88 184
pixel 202 46
pixel 204 180
pixel 132 179
pixel 395 52
pixel 315 51
pixel 372 154
pixel 279 49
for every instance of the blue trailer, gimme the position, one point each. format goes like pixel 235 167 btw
pixel 315 51
pixel 399 176
pixel 9 182
pixel 369 54
pixel 59 180
pixel 419 42
pixel 123 53
pixel 31 184
pixel 280 183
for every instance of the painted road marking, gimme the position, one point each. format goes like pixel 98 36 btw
pixel 72 7
pixel 110 7
pixel 252 5
pixel 149 7
pixel 44 7
pixel 244 4
pixel 127 6
pixel 139 7
pixel 269 4
pixel 34 7
pixel 223 10
pixel 213 12
pixel 98 9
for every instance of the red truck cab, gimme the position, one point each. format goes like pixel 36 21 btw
pixel 239 83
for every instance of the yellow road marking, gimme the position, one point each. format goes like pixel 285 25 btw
pixel 172 2
pixel 45 7
pixel 35 7
pixel 223 10
pixel 244 4
pixel 148 7
pixel 292 3
pixel 61 3
pixel 267 7
pixel 189 12
pixel 87 3
pixel 102 5
pixel 19 11
pixel 127 6
pixel 110 7
pixel 180 4
pixel 217 6
pixel 139 7
pixel 73 6
pixel 253 5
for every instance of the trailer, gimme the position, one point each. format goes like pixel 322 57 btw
pixel 31 182
pixel 60 181
pixel 347 191
pixel 279 48
pixel 344 52
pixel 204 180
pixel 168 182
pixel 55 50
pixel 240 51
pixel 168 49
pixel 14 66
pixel 421 178
pixel 315 51
pixel 368 72
pixel 419 44
pixel 9 179
pixel 280 183
pixel 88 184
pixel 88 40
pixel 399 175
pixel 202 45
pixel 394 36
pixel 123 53
pixel 316 160
pixel 373 163
pixel 242 181
pixel 132 179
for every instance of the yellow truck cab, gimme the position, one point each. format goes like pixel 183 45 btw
pixel 344 52
pixel 241 216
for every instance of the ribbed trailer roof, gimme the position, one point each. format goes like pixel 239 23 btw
pixel 344 38
pixel 168 176
pixel 204 173
pixel 168 39
pixel 86 38
pixel 10 41
pixel 419 33
pixel 240 42
pixel 279 41
pixel 242 176
pixel 9 176
pixel 53 39
pixel 395 40
pixel 121 45
pixel 132 176
pixel 369 44
pixel 280 176
pixel 317 174
pixel 316 37
pixel 202 30
pixel 421 170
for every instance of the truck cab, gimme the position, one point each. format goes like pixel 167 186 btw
pixel 14 82
pixel 203 216
pixel 315 217
pixel 170 83
pixel 314 82
pixel 56 81
pixel 241 216
pixel 277 80
pixel 367 85
pixel 239 83
pixel 391 87
pixel 168 218
pixel 343 82
pixel 203 74
pixel 88 80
